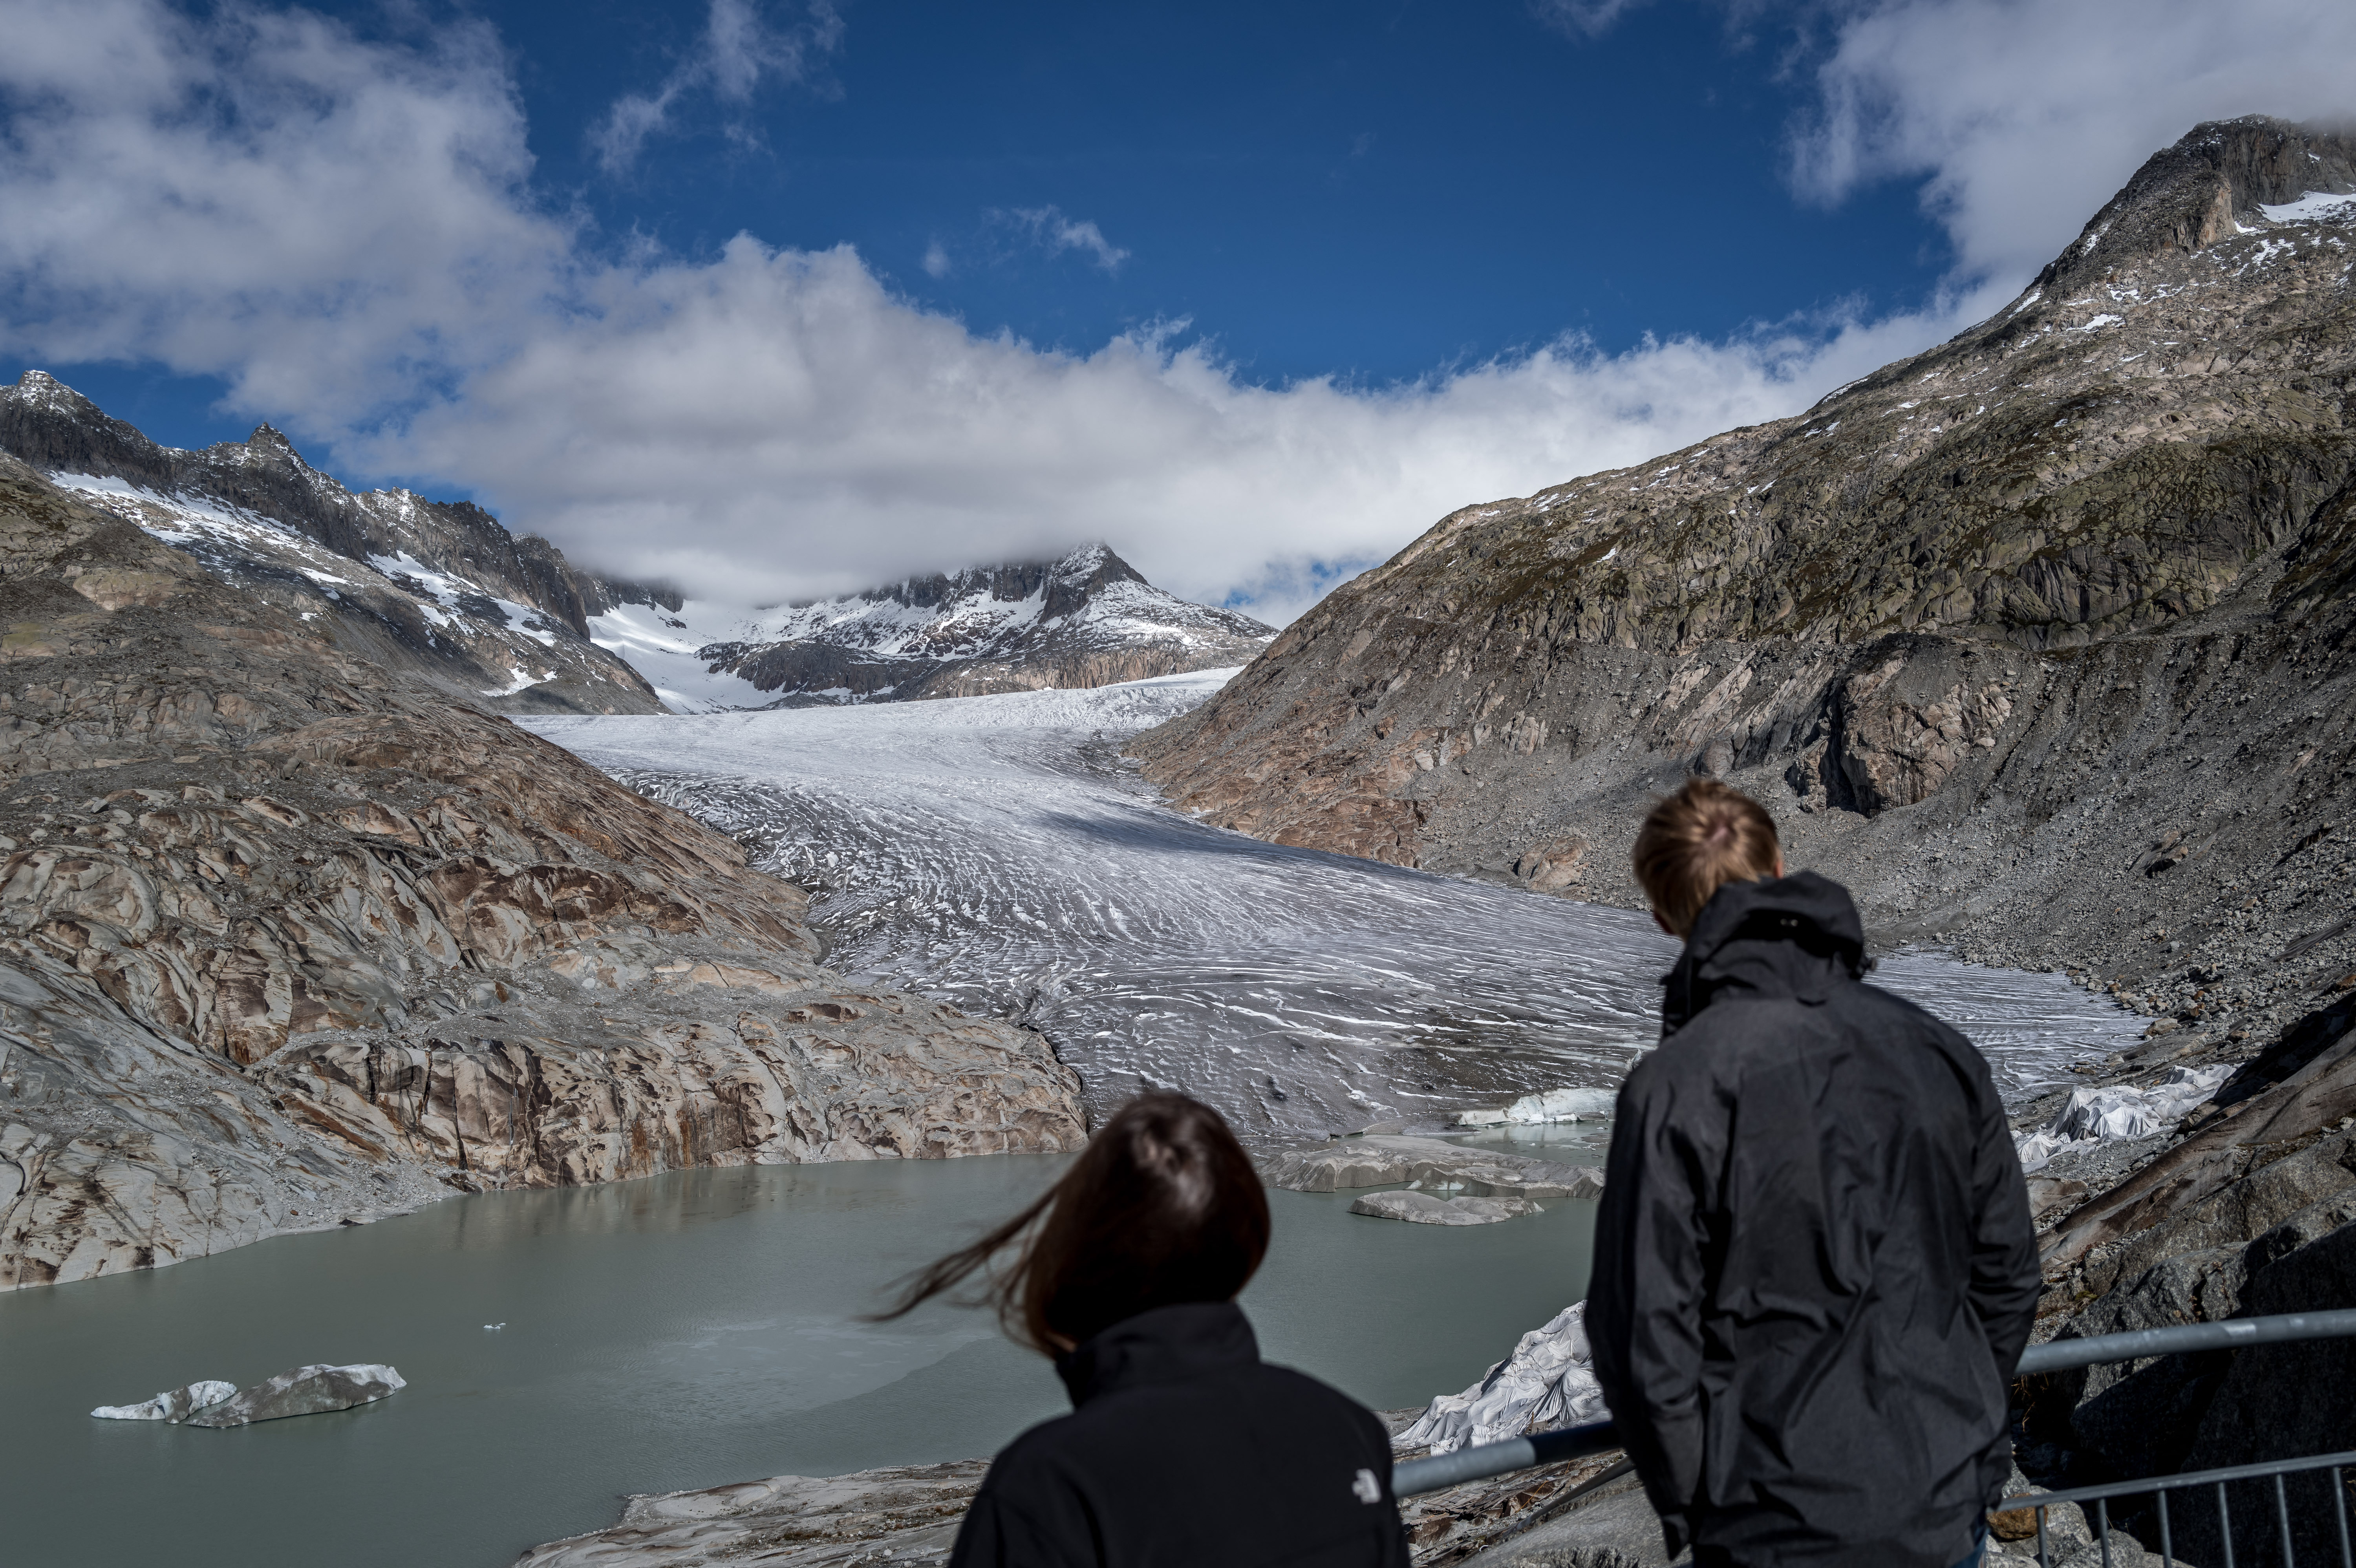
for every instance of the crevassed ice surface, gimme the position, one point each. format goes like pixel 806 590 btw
pixel 997 853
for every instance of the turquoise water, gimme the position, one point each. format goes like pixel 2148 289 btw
pixel 687 1330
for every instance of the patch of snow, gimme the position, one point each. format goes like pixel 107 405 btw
pixel 521 679
pixel 2314 205
pixel 662 646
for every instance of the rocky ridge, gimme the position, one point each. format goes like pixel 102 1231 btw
pixel 2040 639
pixel 440 590
pixel 288 941
pixel 1087 618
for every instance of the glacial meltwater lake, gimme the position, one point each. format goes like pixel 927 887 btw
pixel 704 1326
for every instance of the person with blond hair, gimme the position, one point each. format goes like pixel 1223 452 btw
pixel 1815 1268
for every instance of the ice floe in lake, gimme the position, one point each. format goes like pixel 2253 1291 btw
pixel 996 853
pixel 173 1404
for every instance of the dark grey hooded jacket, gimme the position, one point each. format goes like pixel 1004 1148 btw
pixel 1815 1268
pixel 1185 1450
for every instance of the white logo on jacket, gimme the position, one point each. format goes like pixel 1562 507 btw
pixel 1365 1489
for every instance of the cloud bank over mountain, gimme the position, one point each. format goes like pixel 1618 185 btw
pixel 346 230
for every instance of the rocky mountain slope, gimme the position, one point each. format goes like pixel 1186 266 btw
pixel 2040 639
pixel 435 589
pixel 1089 618
pixel 289 940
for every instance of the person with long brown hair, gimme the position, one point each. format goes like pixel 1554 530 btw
pixel 1184 1448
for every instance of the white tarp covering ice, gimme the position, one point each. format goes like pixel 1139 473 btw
pixel 996 853
pixel 1547 1382
pixel 2106 1115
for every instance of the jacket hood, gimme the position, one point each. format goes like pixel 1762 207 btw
pixel 1163 1345
pixel 1793 938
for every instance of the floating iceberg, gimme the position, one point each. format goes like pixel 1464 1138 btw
pixel 1547 1382
pixel 174 1404
pixel 305 1390
pixel 2111 1114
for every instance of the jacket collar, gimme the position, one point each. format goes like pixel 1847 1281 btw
pixel 1792 937
pixel 1163 1345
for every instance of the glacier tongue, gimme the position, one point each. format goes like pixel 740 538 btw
pixel 996 853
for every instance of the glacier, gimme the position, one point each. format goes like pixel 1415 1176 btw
pixel 998 853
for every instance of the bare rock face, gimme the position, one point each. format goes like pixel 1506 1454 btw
pixel 285 942
pixel 2042 639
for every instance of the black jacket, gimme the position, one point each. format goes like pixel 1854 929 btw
pixel 1185 1450
pixel 1815 1269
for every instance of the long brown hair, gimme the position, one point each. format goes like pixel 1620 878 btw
pixel 1163 1207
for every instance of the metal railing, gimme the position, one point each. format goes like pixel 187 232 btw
pixel 2157 1487
pixel 1412 1476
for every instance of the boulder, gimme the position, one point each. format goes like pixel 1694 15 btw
pixel 305 1390
pixel 174 1405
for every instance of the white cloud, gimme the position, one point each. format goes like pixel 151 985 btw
pixel 778 422
pixel 936 260
pixel 324 222
pixel 737 47
pixel 1047 227
pixel 2025 116
pixel 345 231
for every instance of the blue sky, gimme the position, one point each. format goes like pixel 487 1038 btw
pixel 771 297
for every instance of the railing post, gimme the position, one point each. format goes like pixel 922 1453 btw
pixel 2103 1527
pixel 2166 1542
pixel 2044 1560
pixel 2339 1514
pixel 2224 1525
pixel 2282 1519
